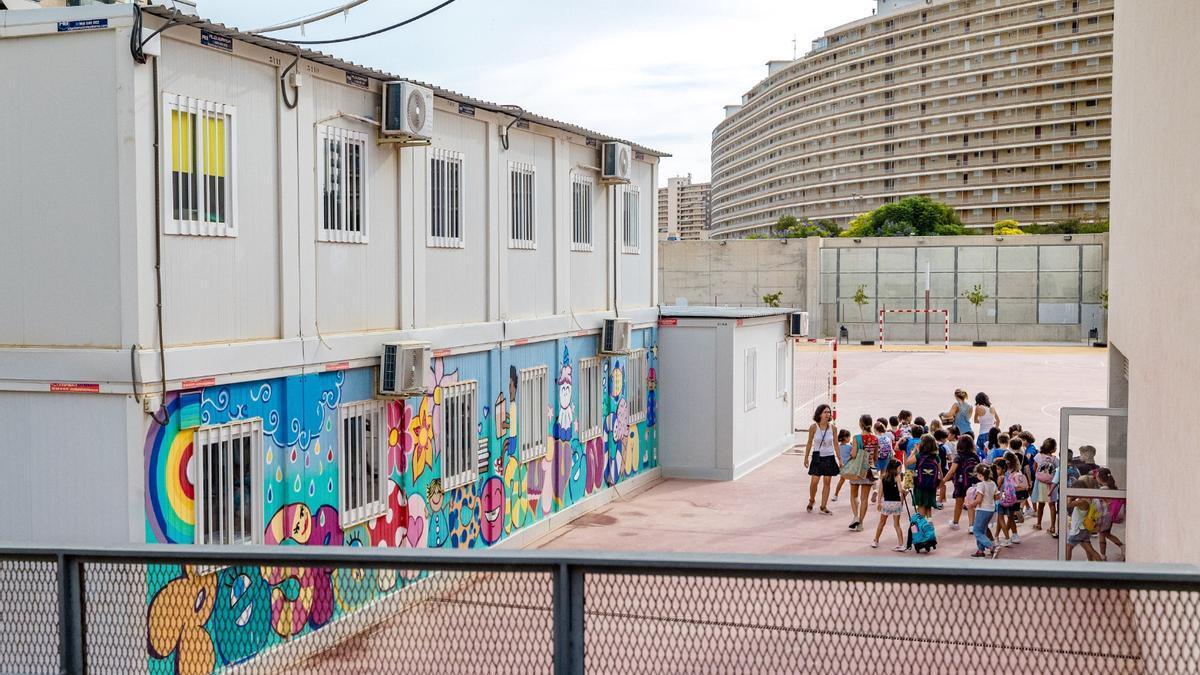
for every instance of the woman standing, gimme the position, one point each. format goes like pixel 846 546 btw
pixel 825 464
pixel 988 420
pixel 960 412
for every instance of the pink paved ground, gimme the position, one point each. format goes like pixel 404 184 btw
pixel 763 512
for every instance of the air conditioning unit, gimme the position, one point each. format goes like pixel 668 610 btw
pixel 407 111
pixel 405 369
pixel 615 336
pixel 798 324
pixel 616 162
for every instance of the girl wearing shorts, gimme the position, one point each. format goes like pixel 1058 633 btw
pixel 891 501
pixel 844 454
pixel 825 464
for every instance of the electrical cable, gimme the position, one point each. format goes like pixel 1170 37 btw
pixel 310 18
pixel 137 43
pixel 373 33
pixel 291 105
pixel 158 293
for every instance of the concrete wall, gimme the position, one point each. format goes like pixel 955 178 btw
pixel 1040 287
pixel 734 272
pixel 1153 321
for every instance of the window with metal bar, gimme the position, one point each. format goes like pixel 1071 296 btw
pixel 199 194
pixel 342 173
pixel 635 384
pixel 522 212
pixel 227 465
pixel 631 239
pixel 581 213
pixel 445 199
pixel 590 392
pixel 531 412
pixel 457 443
pixel 362 462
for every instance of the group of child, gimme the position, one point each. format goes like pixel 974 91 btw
pixel 999 480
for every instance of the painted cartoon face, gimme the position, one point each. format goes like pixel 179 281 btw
pixel 434 495
pixel 491 509
pixel 299 523
pixel 651 380
pixel 564 394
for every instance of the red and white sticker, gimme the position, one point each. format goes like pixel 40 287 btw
pixel 75 387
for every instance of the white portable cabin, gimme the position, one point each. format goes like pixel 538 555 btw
pixel 726 379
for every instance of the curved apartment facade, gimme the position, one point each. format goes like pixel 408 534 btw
pixel 1000 108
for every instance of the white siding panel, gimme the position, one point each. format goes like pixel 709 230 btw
pixel 531 272
pixel 590 274
pixel 227 288
pixel 637 270
pixel 358 286
pixel 59 261
pixel 455 282
pixel 64 482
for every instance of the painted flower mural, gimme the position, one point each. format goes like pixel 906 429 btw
pixel 421 430
pixel 400 446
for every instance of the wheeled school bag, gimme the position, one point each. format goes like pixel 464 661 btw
pixel 921 535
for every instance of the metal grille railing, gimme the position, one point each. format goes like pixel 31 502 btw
pixel 345 610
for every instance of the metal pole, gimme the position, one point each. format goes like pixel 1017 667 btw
pixel 568 620
pixel 926 303
pixel 70 615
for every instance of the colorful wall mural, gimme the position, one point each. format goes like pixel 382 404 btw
pixel 202 622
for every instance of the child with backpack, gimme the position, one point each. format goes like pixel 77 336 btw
pixel 884 454
pixel 944 451
pixel 1113 512
pixel 984 503
pixel 1016 454
pixel 843 441
pixel 1044 466
pixel 892 500
pixel 1085 519
pixel 962 474
pixel 1013 482
pixel 927 474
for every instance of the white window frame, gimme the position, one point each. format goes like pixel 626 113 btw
pixel 751 378
pixel 782 361
pixel 591 413
pixel 635 384
pixel 371 501
pixel 200 225
pixel 249 432
pixel 582 232
pixel 522 206
pixel 633 228
pixel 531 412
pixel 457 444
pixel 447 207
pixel 342 229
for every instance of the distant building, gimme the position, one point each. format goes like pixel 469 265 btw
pixel 683 209
pixel 1000 108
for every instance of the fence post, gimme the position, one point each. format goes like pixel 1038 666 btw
pixel 70 615
pixel 568 620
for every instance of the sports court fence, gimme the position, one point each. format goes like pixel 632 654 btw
pixel 92 610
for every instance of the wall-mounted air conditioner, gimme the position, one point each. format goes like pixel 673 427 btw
pixel 404 369
pixel 407 111
pixel 798 324
pixel 616 336
pixel 616 162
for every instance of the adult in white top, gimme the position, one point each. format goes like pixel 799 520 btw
pixel 987 419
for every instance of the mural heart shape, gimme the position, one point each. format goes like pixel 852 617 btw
pixel 416 529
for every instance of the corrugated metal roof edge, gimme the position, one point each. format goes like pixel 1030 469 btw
pixel 165 12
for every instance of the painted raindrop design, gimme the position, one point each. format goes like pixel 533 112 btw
pixel 293 455
pixel 296 485
pixel 270 455
pixel 270 494
pixel 279 475
pixel 331 485
pixel 312 488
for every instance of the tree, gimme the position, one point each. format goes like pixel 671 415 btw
pixel 790 227
pixel 1007 228
pixel 786 225
pixel 911 216
pixel 772 299
pixel 861 298
pixel 976 297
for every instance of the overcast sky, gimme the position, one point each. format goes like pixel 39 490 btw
pixel 654 71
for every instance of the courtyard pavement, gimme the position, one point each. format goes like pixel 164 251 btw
pixel 763 512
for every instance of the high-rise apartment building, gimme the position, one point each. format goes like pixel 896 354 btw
pixel 683 209
pixel 1000 108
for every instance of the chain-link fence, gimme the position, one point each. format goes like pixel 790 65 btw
pixel 297 610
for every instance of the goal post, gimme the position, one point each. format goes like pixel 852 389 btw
pixel 944 347
pixel 814 377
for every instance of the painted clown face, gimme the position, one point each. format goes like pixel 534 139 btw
pixel 491 510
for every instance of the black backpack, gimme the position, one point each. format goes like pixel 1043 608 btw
pixel 966 468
